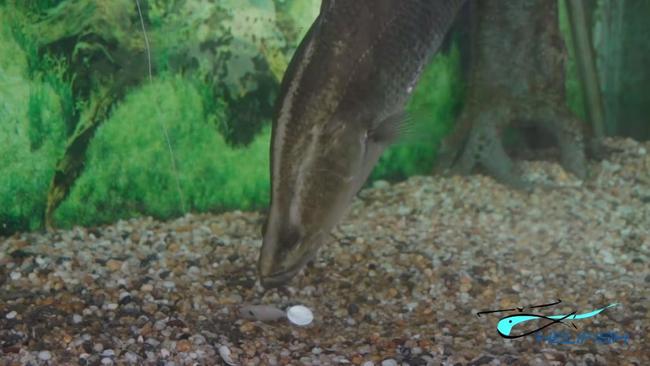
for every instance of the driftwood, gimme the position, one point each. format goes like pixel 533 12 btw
pixel 516 78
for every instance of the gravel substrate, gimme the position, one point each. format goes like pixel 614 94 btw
pixel 411 266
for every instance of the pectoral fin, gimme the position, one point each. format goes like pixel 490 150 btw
pixel 389 129
pixel 379 137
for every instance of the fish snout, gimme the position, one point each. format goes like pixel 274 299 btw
pixel 275 267
pixel 277 279
pixel 276 272
pixel 281 260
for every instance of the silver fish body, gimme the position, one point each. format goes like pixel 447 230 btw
pixel 341 104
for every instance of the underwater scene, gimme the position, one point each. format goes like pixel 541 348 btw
pixel 324 182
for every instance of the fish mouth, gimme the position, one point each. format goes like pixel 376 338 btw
pixel 278 279
pixel 278 272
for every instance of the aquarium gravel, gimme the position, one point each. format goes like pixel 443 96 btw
pixel 401 283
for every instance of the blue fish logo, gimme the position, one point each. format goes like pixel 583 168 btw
pixel 505 325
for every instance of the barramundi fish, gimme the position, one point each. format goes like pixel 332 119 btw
pixel 341 104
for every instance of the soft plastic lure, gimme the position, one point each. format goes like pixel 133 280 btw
pixel 505 325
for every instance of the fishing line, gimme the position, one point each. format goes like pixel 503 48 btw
pixel 162 123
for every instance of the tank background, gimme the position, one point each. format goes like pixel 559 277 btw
pixel 222 153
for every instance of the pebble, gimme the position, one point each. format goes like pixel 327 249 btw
pixel 10 315
pixel 124 297
pixel 300 315
pixel 44 355
pixel 380 184
pixel 403 210
pixel 131 357
pixel 76 318
pixel 15 275
pixel 160 325
pixel 225 354
pixel 183 345
pixel 114 265
pixel 389 362
pixel 608 258
pixel 108 353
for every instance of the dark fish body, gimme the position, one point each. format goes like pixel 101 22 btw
pixel 340 106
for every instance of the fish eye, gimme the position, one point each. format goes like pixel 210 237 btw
pixel 510 321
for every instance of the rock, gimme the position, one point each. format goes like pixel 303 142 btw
pixel 380 184
pixel 183 346
pixel 108 353
pixel 114 265
pixel 131 357
pixel 44 355
pixel 125 298
pixel 353 309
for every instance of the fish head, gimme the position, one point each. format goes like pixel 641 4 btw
pixel 316 172
pixel 285 251
pixel 505 325
pixel 320 174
